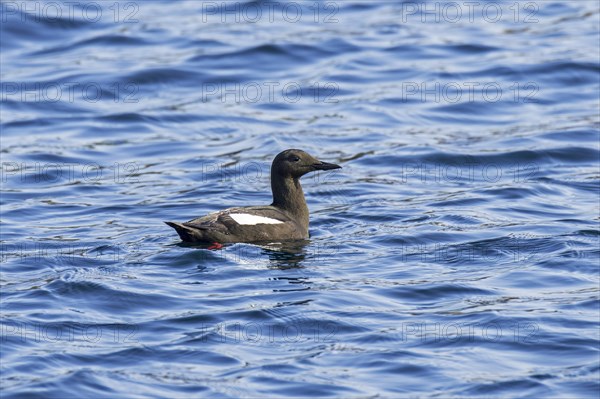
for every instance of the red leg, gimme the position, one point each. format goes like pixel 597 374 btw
pixel 215 245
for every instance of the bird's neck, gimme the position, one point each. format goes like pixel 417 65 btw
pixel 288 195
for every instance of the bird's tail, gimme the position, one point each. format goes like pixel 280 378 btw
pixel 185 233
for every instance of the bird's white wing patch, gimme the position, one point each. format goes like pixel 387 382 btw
pixel 246 218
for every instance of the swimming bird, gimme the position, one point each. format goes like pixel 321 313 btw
pixel 285 219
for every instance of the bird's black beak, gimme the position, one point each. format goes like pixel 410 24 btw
pixel 325 166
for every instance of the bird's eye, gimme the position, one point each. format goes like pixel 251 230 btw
pixel 294 159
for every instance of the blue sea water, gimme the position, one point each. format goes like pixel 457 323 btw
pixel 456 254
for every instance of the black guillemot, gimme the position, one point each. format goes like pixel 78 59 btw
pixel 285 219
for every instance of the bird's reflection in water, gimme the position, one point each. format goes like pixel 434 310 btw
pixel 287 254
pixel 281 255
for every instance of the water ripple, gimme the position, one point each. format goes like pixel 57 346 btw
pixel 455 254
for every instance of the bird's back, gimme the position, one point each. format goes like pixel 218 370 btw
pixel 244 224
